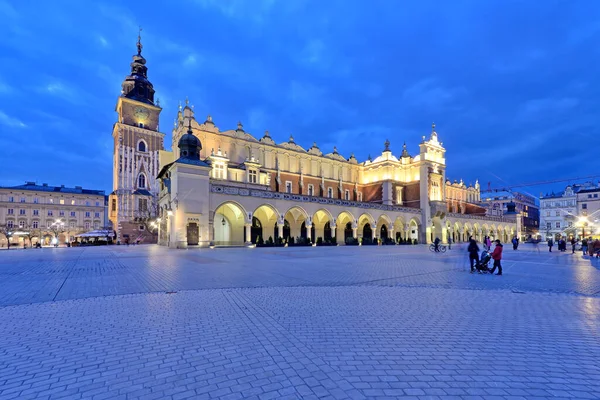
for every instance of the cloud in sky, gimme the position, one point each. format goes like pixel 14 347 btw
pixel 10 122
pixel 508 84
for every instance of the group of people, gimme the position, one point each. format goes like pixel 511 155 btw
pixel 496 255
pixel 561 243
pixel 588 246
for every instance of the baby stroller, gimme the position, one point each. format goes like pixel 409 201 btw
pixel 482 265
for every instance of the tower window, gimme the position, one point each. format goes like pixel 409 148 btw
pixel 142 145
pixel 142 181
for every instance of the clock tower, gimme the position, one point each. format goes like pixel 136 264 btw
pixel 136 143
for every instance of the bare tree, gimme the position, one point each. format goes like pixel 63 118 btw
pixel 146 213
pixel 57 228
pixel 7 232
pixel 30 232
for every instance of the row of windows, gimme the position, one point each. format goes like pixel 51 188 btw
pixel 557 225
pixel 593 196
pixel 22 211
pixel 311 191
pixel 562 203
pixel 36 224
pixel 36 200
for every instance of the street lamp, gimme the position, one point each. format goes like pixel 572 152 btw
pixel 583 222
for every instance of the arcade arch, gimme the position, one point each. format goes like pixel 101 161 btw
pixel 228 224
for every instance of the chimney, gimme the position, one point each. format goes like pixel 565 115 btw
pixel 44 184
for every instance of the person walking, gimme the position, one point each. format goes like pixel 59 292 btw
pixel 550 244
pixel 573 245
pixel 473 250
pixel 497 256
pixel 584 246
pixel 488 243
pixel 514 243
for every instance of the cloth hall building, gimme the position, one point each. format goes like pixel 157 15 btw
pixel 228 187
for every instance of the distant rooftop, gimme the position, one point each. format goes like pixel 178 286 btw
pixel 44 187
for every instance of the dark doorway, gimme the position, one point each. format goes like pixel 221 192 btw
pixel 256 230
pixel 348 231
pixel 286 229
pixel 192 234
pixel 367 231
pixel 327 232
pixel 303 230
pixel 383 232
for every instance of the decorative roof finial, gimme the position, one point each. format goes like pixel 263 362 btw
pixel 315 145
pixel 139 42
pixel 187 101
pixel 179 105
pixel 157 102
pixel 240 127
pixel 291 138
pixel 209 119
pixel 335 150
pixel 369 158
pixel 433 127
pixel 387 145
pixel 267 134
pixel 405 151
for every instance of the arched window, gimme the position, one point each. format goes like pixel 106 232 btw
pixel 142 181
pixel 142 146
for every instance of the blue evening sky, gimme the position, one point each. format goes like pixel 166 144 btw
pixel 511 85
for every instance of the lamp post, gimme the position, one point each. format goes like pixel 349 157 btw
pixel 583 222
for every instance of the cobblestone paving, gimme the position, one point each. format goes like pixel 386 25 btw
pixel 336 323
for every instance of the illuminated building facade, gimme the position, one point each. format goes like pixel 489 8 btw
pixel 231 188
pixel 48 211
pixel 137 142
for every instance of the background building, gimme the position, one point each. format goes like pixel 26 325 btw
pixel 40 212
pixel 561 213
pixel 496 204
pixel 588 210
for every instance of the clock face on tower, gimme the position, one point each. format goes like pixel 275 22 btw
pixel 141 114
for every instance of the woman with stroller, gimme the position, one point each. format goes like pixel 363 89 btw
pixel 473 250
pixel 497 256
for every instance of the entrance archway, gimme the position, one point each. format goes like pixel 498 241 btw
pixel 320 218
pixel 296 218
pixel 228 225
pixel 267 216
pixel 344 227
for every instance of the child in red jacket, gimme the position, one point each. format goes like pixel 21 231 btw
pixel 497 256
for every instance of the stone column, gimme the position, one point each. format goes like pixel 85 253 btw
pixel 280 230
pixel 248 228
pixel 309 232
pixel 391 234
pixel 373 231
pixel 333 231
pixel 354 231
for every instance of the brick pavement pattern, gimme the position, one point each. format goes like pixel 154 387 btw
pixel 336 323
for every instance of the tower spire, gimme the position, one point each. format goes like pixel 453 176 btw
pixel 136 85
pixel 139 42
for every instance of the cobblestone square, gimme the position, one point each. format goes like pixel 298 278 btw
pixel 145 322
